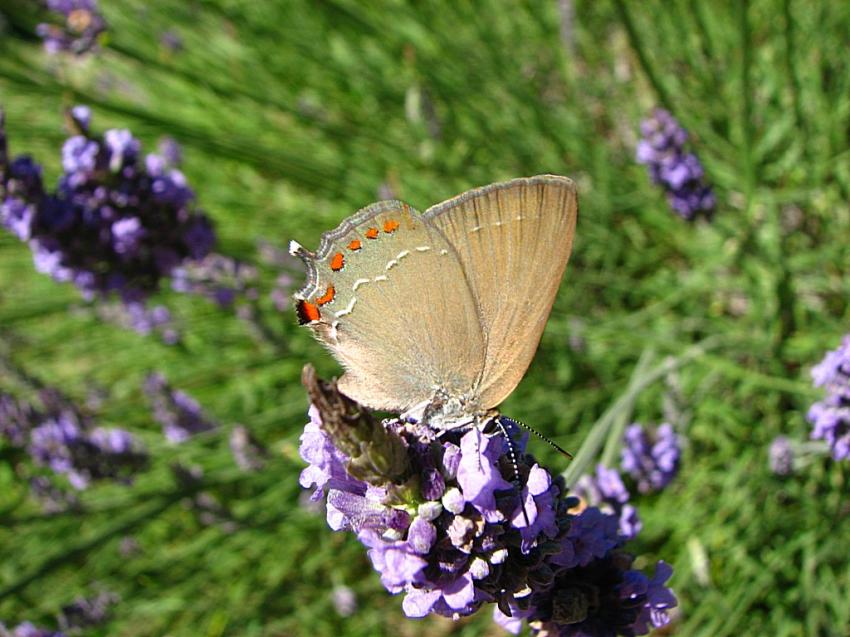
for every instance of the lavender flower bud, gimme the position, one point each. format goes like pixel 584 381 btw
pixel 344 601
pixel 247 451
pixel 375 455
pixel 781 455
pixel 62 440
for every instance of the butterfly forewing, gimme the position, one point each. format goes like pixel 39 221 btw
pixel 387 295
pixel 513 241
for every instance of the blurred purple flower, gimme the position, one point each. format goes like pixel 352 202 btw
pixel 117 223
pixel 287 268
pixel 680 173
pixel 62 440
pixel 81 115
pixel 217 277
pixel 27 629
pixel 247 451
pixel 76 28
pixel 830 417
pixel 344 600
pixel 179 414
pixel 51 498
pixel 86 612
pixel 171 41
pixel 651 456
pixel 781 456
pixel 170 151
pixel 141 318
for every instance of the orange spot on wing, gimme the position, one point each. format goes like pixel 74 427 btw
pixel 372 233
pixel 391 225
pixel 307 312
pixel 337 261
pixel 355 245
pixel 327 297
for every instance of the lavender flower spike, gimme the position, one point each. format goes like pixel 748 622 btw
pixel 680 173
pixel 830 417
pixel 445 528
pixel 651 455
pixel 117 223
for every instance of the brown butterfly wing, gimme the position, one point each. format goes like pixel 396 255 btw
pixel 513 240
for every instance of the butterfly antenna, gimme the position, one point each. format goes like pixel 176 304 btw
pixel 515 465
pixel 543 438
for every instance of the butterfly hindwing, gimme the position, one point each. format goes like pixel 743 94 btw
pixel 513 240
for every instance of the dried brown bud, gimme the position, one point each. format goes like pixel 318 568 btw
pixel 376 455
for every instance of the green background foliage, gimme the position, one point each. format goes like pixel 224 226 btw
pixel 292 114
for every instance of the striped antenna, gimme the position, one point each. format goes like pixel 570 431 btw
pixel 543 438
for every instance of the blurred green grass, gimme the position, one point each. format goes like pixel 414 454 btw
pixel 292 115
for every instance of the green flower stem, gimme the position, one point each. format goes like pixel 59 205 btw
pixel 615 435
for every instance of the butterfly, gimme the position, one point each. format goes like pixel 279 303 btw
pixel 437 315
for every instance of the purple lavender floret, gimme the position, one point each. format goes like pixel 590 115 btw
pixel 605 489
pixel 680 173
pixel 830 417
pixel 118 223
pixel 453 544
pixel 76 28
pixel 179 414
pixel 651 456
